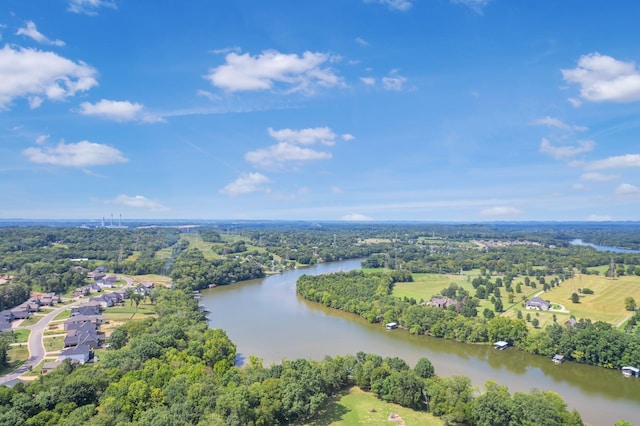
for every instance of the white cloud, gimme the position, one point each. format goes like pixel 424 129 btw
pixel 616 162
pixel 275 156
pixel 323 135
pixel 356 217
pixel 501 211
pixel 118 111
pixel 41 139
pixel 207 94
pixel 32 32
pixel 394 81
pixel 475 5
pixel 347 137
pixel 36 74
pixel 369 81
pixel 89 7
pixel 598 177
pixel 562 152
pixel 81 154
pixel 35 102
pixel 247 183
pixel 598 218
pixel 559 124
pixel 138 202
pixel 226 50
pixel 402 5
pixel 603 78
pixel 626 190
pixel 361 41
pixel 262 72
pixel 575 102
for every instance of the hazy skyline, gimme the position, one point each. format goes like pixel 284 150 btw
pixel 421 110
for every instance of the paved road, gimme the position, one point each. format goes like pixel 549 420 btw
pixel 36 346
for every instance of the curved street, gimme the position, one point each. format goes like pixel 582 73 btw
pixel 35 344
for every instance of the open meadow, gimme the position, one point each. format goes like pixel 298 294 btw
pixel 357 407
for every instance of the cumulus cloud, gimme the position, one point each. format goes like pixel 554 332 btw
pixel 394 81
pixel 563 152
pixel 598 218
pixel 362 42
pixel 501 211
pixel 245 184
pixel 270 68
pixel 118 111
pixel 35 74
pixel 275 156
pixel 402 5
pixel 89 7
pixel 288 148
pixel 41 139
pixel 603 78
pixel 475 5
pixel 626 190
pixel 32 32
pixel 598 177
pixel 558 124
pixel 138 202
pixel 323 135
pixel 81 154
pixel 356 217
pixel 616 162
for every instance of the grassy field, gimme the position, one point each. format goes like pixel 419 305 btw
pixel 357 407
pixel 21 336
pixel 63 315
pixel 426 286
pixel 32 320
pixel 128 312
pixel 17 356
pixel 54 343
pixel 607 302
pixel 154 278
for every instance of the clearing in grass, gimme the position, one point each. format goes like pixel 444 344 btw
pixel 357 407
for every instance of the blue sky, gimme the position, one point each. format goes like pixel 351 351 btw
pixel 428 110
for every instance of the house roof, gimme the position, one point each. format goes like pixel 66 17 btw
pixel 537 301
pixel 76 350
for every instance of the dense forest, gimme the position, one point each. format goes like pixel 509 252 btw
pixel 173 370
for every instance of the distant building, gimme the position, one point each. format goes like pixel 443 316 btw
pixel 538 304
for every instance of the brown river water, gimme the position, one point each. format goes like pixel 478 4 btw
pixel 266 318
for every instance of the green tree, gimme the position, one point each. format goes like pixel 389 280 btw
pixel 575 298
pixel 494 407
pixel 424 368
pixel 629 303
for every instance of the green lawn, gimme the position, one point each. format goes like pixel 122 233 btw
pixel 128 312
pixel 63 315
pixel 54 343
pixel 18 355
pixel 153 278
pixel 32 320
pixel 356 407
pixel 21 336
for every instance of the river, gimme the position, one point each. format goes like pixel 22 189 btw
pixel 579 242
pixel 266 318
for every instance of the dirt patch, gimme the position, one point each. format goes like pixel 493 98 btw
pixel 393 417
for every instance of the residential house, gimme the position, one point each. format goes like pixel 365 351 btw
pixel 91 308
pixel 49 366
pixel 110 279
pixel 78 319
pixel 6 315
pixel 571 322
pixel 80 353
pixel 441 302
pixel 81 291
pixel 538 304
pixel 20 312
pixel 104 301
